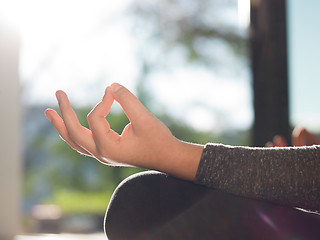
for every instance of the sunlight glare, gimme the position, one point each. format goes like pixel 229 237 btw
pixel 75 46
pixel 244 13
pixel 10 12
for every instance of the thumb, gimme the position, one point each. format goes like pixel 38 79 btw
pixel 130 104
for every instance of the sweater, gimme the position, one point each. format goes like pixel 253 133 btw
pixel 288 176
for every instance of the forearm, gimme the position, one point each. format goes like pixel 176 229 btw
pixel 287 176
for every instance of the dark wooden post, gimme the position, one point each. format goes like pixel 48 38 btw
pixel 269 68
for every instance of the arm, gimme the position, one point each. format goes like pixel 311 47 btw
pixel 285 175
pixel 145 142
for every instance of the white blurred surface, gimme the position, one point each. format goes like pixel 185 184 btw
pixel 94 236
pixel 10 129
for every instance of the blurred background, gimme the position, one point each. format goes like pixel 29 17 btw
pixel 188 61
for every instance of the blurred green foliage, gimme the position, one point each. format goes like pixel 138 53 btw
pixel 80 202
pixel 193 29
pixel 167 29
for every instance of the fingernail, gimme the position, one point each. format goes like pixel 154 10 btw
pixel 58 96
pixel 48 116
pixel 107 90
pixel 115 86
pixel 106 93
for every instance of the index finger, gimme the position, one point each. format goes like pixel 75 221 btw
pixel 130 104
pixel 104 137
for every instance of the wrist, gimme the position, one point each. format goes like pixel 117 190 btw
pixel 183 159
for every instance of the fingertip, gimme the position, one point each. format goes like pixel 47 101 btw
pixel 61 91
pixel 280 141
pixel 60 94
pixel 298 130
pixel 131 105
pixel 107 92
pixel 269 144
pixel 47 114
pixel 115 87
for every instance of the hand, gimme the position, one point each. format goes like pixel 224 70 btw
pixel 145 142
pixel 278 141
pixel 300 137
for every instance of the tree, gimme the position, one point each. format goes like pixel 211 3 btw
pixel 173 33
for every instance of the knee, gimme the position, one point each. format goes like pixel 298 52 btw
pixel 132 205
pixel 145 201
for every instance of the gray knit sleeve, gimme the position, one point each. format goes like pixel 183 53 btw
pixel 288 176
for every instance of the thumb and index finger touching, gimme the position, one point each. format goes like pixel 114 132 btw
pixel 132 107
pixel 105 138
pixel 130 104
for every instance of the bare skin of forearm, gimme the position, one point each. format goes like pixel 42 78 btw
pixel 182 161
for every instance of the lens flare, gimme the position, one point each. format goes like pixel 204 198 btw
pixel 267 220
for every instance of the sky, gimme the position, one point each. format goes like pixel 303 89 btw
pixel 304 70
pixel 64 46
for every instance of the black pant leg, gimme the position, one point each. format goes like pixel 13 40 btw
pixel 145 201
pixel 153 205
